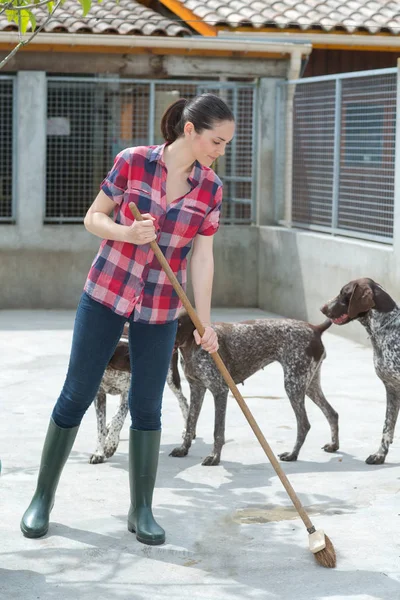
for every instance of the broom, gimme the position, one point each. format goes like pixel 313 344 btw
pixel 319 543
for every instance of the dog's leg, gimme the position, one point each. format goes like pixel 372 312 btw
pixel 100 407
pixel 295 386
pixel 220 401
pixel 392 411
pixel 314 391
pixel 197 392
pixel 174 384
pixel 115 426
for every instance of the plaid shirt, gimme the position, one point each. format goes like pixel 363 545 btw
pixel 128 278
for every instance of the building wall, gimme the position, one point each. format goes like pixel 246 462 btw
pixel 45 265
pixel 299 271
pixel 42 277
pixel 328 62
pixel 287 271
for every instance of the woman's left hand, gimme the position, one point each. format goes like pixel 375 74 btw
pixel 209 341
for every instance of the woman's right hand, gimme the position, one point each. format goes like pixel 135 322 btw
pixel 141 232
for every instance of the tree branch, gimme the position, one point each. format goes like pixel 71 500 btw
pixel 25 42
pixel 25 6
pixel 7 6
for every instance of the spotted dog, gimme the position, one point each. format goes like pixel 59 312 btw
pixel 366 301
pixel 245 348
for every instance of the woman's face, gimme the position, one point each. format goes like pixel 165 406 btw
pixel 209 144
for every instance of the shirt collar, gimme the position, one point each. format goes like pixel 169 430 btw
pixel 195 174
pixel 157 153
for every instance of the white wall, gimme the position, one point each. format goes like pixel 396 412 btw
pixel 299 271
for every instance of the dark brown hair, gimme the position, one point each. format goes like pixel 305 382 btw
pixel 203 111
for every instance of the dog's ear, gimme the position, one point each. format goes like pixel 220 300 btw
pixel 185 329
pixel 120 359
pixel 362 300
pixel 383 302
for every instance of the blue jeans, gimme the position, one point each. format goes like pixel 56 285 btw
pixel 96 334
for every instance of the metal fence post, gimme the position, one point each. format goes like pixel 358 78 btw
pixel 336 153
pixel 277 150
pixel 287 217
pixel 396 210
pixel 152 112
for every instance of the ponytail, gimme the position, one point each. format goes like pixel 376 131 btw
pixel 172 122
pixel 203 111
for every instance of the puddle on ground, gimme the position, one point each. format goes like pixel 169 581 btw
pixel 267 514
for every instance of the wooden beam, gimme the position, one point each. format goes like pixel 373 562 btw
pixel 327 43
pixel 189 17
pixel 65 48
pixel 196 66
pixel 146 66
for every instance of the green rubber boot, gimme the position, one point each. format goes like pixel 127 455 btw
pixel 144 447
pixel 56 449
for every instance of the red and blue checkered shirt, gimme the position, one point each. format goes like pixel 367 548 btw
pixel 128 278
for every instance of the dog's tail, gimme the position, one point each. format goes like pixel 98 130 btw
pixel 323 326
pixel 174 378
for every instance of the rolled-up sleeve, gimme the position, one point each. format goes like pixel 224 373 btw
pixel 211 221
pixel 115 183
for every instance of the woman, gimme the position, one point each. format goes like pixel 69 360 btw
pixel 180 196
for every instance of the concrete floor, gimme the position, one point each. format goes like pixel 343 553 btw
pixel 232 533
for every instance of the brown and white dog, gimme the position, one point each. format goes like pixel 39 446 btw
pixel 366 301
pixel 245 348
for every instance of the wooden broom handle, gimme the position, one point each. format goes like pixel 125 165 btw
pixel 226 375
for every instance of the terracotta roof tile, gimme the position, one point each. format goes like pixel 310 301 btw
pixel 372 15
pixel 124 17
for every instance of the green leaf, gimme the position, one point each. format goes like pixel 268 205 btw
pixel 24 20
pixel 12 15
pixel 86 5
pixel 32 19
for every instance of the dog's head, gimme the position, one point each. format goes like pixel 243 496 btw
pixel 356 299
pixel 120 359
pixel 185 330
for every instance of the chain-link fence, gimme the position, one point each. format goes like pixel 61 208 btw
pixel 7 135
pixel 339 153
pixel 91 120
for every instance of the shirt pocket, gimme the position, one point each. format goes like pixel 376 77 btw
pixel 190 218
pixel 143 200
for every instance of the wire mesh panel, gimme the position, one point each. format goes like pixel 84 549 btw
pixel 343 153
pixel 313 137
pixel 367 155
pixel 91 120
pixel 6 148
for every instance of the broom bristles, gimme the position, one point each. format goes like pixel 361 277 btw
pixel 327 556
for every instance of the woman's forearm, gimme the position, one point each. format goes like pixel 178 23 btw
pixel 104 227
pixel 202 274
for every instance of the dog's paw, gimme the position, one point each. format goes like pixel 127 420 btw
pixel 179 452
pixel 95 459
pixel 376 459
pixel 288 456
pixel 330 447
pixel 211 461
pixel 110 450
